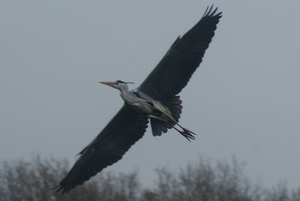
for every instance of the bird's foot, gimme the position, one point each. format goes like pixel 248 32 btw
pixel 189 135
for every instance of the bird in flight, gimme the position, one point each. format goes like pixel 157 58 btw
pixel 155 99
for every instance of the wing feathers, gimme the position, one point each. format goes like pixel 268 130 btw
pixel 108 147
pixel 166 80
pixel 179 63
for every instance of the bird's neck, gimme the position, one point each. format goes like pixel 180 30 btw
pixel 124 93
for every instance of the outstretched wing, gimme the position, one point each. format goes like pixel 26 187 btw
pixel 173 72
pixel 108 147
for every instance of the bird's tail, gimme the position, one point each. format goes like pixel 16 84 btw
pixel 164 122
pixel 174 106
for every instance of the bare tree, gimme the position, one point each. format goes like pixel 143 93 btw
pixel 203 181
pixel 295 195
pixel 30 180
pixel 34 179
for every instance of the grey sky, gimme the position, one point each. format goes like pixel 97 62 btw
pixel 242 101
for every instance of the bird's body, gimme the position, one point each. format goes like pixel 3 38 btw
pixel 161 116
pixel 137 100
pixel 156 99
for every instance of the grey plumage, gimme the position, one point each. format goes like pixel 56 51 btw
pixel 155 99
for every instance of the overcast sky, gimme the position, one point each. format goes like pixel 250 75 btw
pixel 242 101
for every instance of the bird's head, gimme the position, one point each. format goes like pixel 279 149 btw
pixel 118 84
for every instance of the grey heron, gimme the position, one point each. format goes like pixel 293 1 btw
pixel 155 99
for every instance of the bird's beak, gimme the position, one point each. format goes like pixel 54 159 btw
pixel 108 83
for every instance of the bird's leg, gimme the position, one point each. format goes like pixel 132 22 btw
pixel 189 135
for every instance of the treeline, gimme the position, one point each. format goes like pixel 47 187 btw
pixel 34 179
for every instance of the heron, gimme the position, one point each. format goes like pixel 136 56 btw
pixel 156 99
